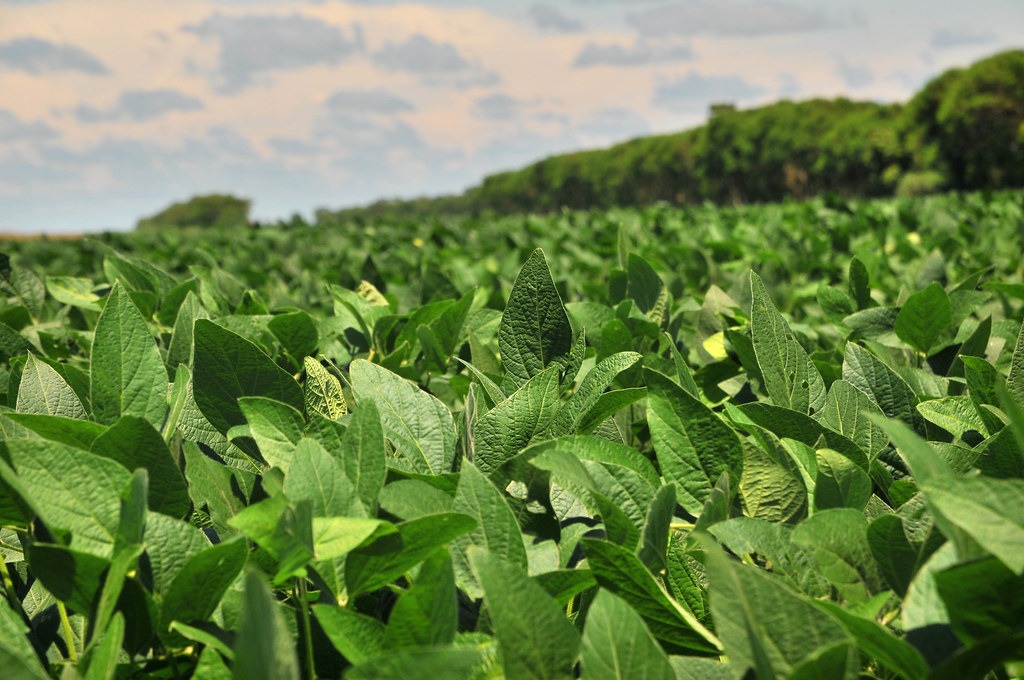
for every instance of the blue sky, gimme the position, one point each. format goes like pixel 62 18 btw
pixel 112 109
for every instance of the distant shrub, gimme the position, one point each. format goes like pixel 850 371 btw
pixel 204 212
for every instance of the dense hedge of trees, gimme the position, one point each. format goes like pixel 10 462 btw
pixel 203 212
pixel 963 131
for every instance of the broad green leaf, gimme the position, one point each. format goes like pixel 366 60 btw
pixel 770 488
pixel 43 391
pixel 885 387
pixel 923 318
pixel 133 443
pixel 430 663
pixel 296 331
pixel 16 653
pixel 200 584
pixel 1015 380
pixel 897 554
pixel 956 415
pixel 990 511
pixel 323 391
pixel 655 535
pixel 535 330
pixel 417 423
pixel 72 576
pixel 607 405
pixel 179 351
pixel 77 494
pixel 211 666
pixel 60 429
pixel 127 375
pixel 412 498
pixel 860 289
pixel 621 572
pixel 336 536
pixel 170 544
pixel 878 643
pixel 227 367
pixel 789 424
pixel 427 612
pixel 363 454
pixel 693 445
pixel 264 649
pixel 316 476
pixel 378 563
pixel 838 541
pixel 617 645
pixel 497 530
pixel 356 636
pixel 845 407
pixel 764 625
pixel 73 290
pixel 283 529
pixel 535 640
pixel 791 379
pixel 275 426
pixel 983 599
pixel 773 543
pixel 591 389
pixel 840 483
pixel 212 487
pixel 509 427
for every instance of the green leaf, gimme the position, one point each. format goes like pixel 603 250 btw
pixel 790 376
pixel 323 391
pixel 73 290
pixel 897 555
pixel 179 351
pixel 275 426
pixel 771 488
pixel 133 443
pixel 284 530
pixel 617 645
pixel 127 375
pixel 43 391
pixel 16 653
pixel 1015 380
pixel 838 541
pixel 885 387
pixel 200 584
pixel 924 317
pixel 78 433
pixel 431 663
pixel 591 389
pixel 363 454
pixel 381 561
pixel 983 599
pixel 878 643
pixel 427 612
pixel 497 530
pixel 77 494
pixel 840 483
pixel 990 511
pixel 655 536
pixel 296 331
pixel 509 427
pixel 228 367
pixel 621 572
pixel 103 659
pixel 763 624
pixel 773 543
pixel 356 636
pixel 264 649
pixel 535 640
pixel 418 424
pixel 337 536
pixel 412 498
pixel 170 544
pixel 693 445
pixel 845 408
pixel 788 424
pixel 956 415
pixel 534 330
pixel 316 476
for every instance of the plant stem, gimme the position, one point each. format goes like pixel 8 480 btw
pixel 69 635
pixel 307 631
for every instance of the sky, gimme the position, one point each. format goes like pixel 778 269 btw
pixel 112 109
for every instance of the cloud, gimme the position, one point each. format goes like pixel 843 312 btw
pixel 497 106
pixel 640 54
pixel 252 46
pixel 13 129
pixel 730 18
pixel 421 55
pixel 959 37
pixel 854 76
pixel 373 102
pixel 139 106
pixel 548 18
pixel 37 57
pixel 611 124
pixel 694 92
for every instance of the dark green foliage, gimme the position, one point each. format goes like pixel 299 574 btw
pixel 203 212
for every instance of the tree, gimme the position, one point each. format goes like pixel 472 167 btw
pixel 205 212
